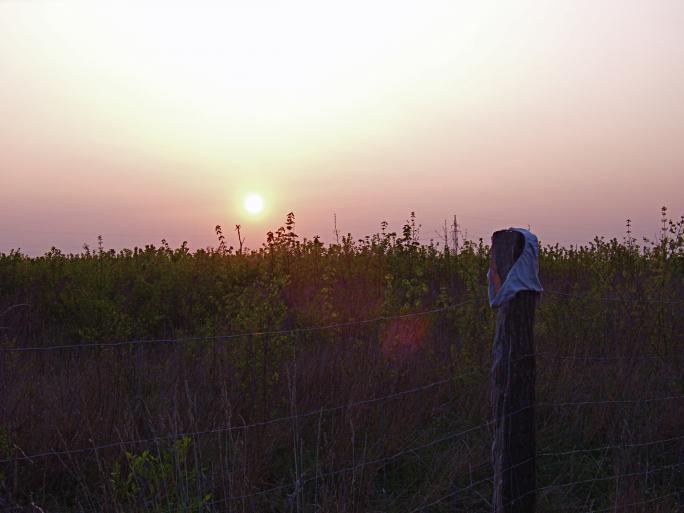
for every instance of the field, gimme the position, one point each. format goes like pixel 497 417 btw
pixel 345 377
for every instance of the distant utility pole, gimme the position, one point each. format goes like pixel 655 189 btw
pixel 335 230
pixel 455 234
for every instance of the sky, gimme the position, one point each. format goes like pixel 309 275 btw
pixel 148 120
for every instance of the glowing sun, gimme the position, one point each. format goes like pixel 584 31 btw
pixel 254 203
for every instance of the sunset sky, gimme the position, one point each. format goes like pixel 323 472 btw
pixel 141 121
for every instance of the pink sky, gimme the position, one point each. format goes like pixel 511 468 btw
pixel 143 123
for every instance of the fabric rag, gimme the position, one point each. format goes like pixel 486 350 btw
pixel 524 275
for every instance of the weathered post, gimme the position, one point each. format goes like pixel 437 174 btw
pixel 513 289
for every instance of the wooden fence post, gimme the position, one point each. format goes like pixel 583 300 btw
pixel 513 382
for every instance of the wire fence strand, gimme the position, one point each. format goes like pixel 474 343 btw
pixel 244 427
pixel 222 338
pixel 614 299
pixel 297 485
pixel 610 447
pixel 377 461
pixel 628 505
pixel 308 329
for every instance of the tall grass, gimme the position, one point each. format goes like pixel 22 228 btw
pixel 178 409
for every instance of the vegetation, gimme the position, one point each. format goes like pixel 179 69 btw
pixel 183 420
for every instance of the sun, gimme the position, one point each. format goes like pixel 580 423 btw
pixel 254 203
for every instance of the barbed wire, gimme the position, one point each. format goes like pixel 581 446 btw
pixel 665 467
pixel 221 338
pixel 300 483
pixel 92 345
pixel 614 299
pixel 641 502
pixel 318 411
pixel 589 481
pixel 564 485
pixel 472 485
pixel 615 476
pixel 12 307
pixel 609 447
pixel 321 411
pixel 358 466
pixel 630 504
pixel 608 358
pixel 613 401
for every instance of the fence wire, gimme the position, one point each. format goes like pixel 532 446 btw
pixel 243 427
pixel 296 486
pixel 316 412
pixel 232 336
pixel 308 329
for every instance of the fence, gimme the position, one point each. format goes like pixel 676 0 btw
pixel 639 471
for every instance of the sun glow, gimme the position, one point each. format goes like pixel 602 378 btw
pixel 254 203
pixel 246 80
